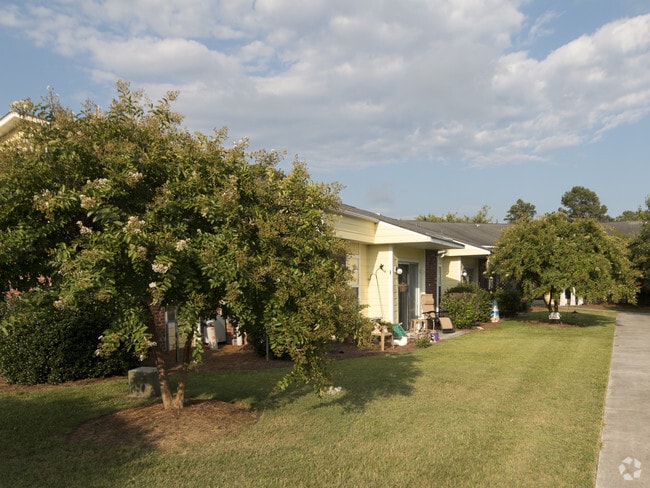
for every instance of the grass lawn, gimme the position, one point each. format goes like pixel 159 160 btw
pixel 520 405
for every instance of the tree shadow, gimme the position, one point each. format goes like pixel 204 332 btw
pixel 39 446
pixel 85 436
pixel 359 381
pixel 364 380
pixel 569 318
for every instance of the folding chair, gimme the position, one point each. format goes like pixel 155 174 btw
pixel 446 324
pixel 428 308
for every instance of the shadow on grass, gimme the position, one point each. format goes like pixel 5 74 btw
pixel 37 449
pixel 570 317
pixel 40 429
pixel 362 380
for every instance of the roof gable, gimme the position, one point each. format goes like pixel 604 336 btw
pixel 373 228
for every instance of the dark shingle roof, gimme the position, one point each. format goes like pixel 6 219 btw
pixel 482 236
pixel 479 235
pixel 626 228
pixel 486 235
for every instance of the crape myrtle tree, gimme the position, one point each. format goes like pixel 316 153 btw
pixel 553 253
pixel 125 207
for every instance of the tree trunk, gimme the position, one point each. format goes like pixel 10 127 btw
pixel 551 302
pixel 161 367
pixel 179 401
pixel 165 391
pixel 170 401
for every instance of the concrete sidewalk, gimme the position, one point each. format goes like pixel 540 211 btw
pixel 625 453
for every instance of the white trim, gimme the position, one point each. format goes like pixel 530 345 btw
pixel 391 284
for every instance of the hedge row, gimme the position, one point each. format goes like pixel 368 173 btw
pixel 42 344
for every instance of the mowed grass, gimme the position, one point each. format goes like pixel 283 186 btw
pixel 520 405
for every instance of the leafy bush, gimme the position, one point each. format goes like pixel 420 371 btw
pixel 423 342
pixel 510 302
pixel 467 305
pixel 41 344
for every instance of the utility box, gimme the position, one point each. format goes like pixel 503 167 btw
pixel 220 328
pixel 143 382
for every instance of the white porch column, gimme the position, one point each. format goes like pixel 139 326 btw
pixel 391 284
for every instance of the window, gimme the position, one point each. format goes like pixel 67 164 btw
pixel 171 327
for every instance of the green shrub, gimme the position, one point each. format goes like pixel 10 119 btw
pixel 41 344
pixel 467 305
pixel 423 342
pixel 510 302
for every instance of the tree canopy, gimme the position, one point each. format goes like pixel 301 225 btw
pixel 553 253
pixel 633 215
pixel 126 207
pixel 582 203
pixel 481 217
pixel 520 210
pixel 640 250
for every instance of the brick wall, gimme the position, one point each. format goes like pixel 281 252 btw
pixel 158 313
pixel 431 271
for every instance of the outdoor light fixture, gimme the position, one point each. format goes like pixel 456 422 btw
pixel 398 270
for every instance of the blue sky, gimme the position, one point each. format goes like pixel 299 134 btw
pixel 415 107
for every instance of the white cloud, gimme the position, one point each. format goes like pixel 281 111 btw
pixel 10 16
pixel 362 82
pixel 592 83
pixel 540 27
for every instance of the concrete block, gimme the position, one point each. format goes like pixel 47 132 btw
pixel 143 382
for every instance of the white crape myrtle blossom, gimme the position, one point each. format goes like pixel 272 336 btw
pixel 133 225
pixel 135 176
pixel 98 183
pixel 87 202
pixel 83 229
pixel 182 245
pixel 160 268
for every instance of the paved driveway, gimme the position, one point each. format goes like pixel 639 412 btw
pixel 625 454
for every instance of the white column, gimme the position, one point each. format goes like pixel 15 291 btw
pixel 391 285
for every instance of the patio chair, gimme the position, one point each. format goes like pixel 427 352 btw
pixel 446 325
pixel 428 305
pixel 428 309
